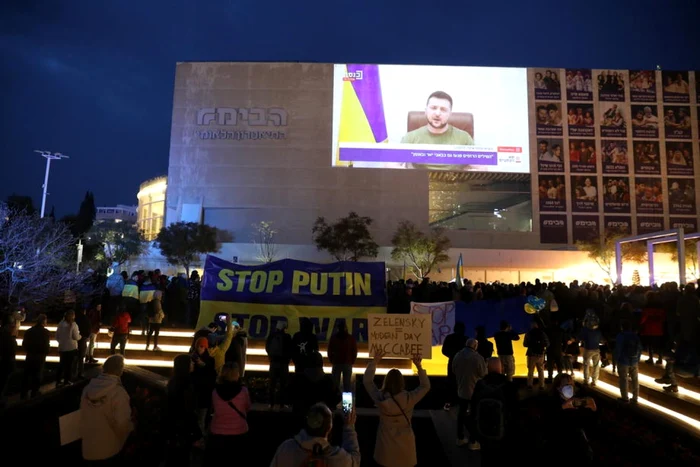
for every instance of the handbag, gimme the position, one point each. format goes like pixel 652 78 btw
pixel 402 412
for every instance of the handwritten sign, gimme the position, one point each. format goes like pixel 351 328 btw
pixel 400 335
pixel 442 316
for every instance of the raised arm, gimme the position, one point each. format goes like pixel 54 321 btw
pixel 423 382
pixel 368 378
pixel 350 443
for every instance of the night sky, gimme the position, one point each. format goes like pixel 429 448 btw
pixel 94 79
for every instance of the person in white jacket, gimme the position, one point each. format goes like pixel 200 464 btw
pixel 105 415
pixel 67 335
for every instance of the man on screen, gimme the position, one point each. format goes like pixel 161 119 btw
pixel 437 131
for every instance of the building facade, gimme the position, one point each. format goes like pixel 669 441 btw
pixel 118 213
pixel 569 156
pixel 151 208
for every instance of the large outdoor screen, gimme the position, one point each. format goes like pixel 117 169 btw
pixel 471 119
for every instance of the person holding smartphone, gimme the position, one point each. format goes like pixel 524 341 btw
pixel 567 419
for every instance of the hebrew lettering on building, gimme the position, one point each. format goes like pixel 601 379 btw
pixel 253 116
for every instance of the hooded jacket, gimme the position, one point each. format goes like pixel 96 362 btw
pixel 295 451
pixel 105 417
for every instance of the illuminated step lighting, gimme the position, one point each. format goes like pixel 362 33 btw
pixel 179 349
pixel 615 392
pixel 164 332
pixel 249 366
pixel 648 381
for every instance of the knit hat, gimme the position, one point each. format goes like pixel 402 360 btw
pixel 203 341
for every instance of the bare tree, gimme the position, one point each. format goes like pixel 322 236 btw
pixel 264 239
pixel 34 257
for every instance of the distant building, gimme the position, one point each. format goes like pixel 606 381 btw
pixel 151 209
pixel 119 213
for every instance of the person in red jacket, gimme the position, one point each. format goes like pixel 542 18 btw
pixel 120 330
pixel 652 327
pixel 342 353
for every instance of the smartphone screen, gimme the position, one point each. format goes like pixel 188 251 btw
pixel 347 402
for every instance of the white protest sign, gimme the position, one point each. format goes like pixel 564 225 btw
pixel 442 316
pixel 400 335
pixel 69 427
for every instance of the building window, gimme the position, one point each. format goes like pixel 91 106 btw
pixel 480 201
pixel 151 209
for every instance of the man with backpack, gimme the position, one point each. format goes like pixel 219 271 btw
pixel 279 352
pixel 311 448
pixel 628 351
pixel 494 405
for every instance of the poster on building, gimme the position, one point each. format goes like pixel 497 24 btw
pixel 581 119
pixel 617 225
pixel 579 85
pixel 649 195
pixel 550 155
pixel 402 336
pixel 611 85
pixel 548 119
pixel 553 229
pixel 552 193
pixel 645 121
pixel 677 123
pixel 688 224
pixel 585 228
pixel 681 196
pixel 679 158
pixel 616 197
pixel 675 86
pixel 582 156
pixel 547 84
pixel 613 121
pixel 614 155
pixel 647 225
pixel 642 86
pixel 584 194
pixel 647 158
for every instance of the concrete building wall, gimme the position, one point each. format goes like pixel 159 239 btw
pixel 287 180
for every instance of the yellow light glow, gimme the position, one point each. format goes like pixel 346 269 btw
pixel 615 392
pixel 250 366
pixel 164 333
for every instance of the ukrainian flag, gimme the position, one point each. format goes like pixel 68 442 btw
pixel 362 108
pixel 460 272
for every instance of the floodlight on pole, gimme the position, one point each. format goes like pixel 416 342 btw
pixel 49 156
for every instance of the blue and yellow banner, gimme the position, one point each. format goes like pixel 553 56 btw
pixel 258 297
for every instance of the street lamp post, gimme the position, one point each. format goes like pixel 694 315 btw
pixel 48 155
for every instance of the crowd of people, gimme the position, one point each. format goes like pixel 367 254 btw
pixel 208 402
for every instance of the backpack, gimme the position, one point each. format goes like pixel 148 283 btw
pixel 151 309
pixel 490 412
pixel 276 345
pixel 314 458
